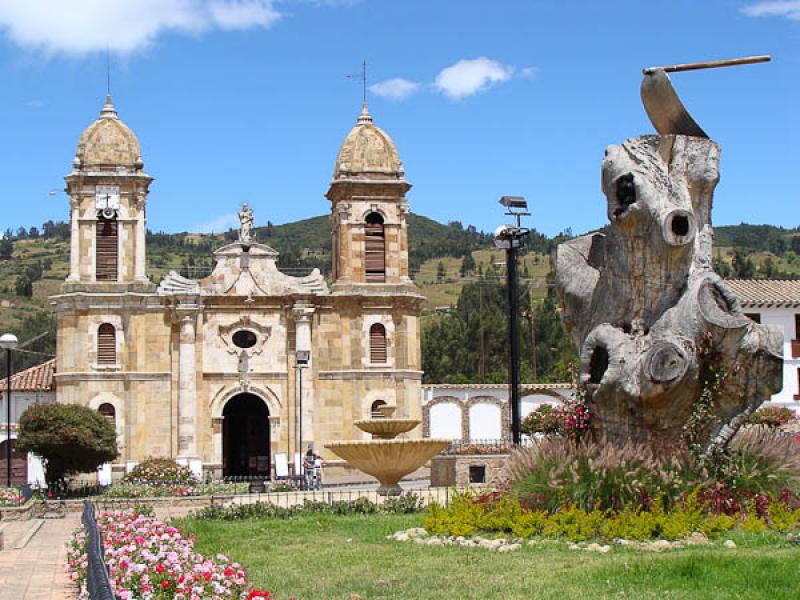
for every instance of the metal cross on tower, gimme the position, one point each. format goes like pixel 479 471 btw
pixel 363 77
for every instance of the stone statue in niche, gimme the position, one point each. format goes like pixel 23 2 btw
pixel 246 219
pixel 646 309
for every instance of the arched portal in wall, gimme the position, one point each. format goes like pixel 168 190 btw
pixel 245 437
pixel 19 464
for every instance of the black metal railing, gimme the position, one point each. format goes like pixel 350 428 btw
pixel 98 583
pixel 481 446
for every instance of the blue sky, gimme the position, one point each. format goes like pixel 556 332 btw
pixel 247 100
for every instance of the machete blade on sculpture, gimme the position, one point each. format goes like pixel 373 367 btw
pixel 665 109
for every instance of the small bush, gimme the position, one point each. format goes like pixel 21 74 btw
pixel 163 472
pixel 772 416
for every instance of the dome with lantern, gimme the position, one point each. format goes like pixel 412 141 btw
pixel 108 143
pixel 368 151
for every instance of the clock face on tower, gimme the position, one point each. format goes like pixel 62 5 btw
pixel 106 196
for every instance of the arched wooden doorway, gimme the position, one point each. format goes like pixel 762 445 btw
pixel 246 437
pixel 19 465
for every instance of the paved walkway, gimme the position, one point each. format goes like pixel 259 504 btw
pixel 35 570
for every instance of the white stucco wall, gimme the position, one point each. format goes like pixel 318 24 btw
pixel 446 421
pixel 784 318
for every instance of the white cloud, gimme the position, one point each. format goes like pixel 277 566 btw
pixel 218 224
pixel 774 8
pixel 468 77
pixel 122 26
pixel 396 89
pixel 528 72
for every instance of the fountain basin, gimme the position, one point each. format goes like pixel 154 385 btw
pixel 386 429
pixel 388 460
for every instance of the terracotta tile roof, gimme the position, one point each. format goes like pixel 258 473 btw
pixel 36 379
pixel 765 292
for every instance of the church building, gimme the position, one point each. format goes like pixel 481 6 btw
pixel 226 372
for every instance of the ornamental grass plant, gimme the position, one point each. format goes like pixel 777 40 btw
pixel 761 465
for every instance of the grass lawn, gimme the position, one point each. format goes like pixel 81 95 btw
pixel 334 557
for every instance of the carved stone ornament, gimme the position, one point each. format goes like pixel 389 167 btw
pixel 245 323
pixel 646 309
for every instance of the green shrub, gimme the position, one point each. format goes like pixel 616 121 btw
pixel 772 416
pixel 468 516
pixel 69 438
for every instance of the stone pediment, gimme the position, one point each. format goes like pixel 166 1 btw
pixel 245 269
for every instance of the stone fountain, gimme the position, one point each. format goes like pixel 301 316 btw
pixel 384 457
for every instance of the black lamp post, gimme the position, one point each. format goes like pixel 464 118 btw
pixel 8 342
pixel 509 238
pixel 301 362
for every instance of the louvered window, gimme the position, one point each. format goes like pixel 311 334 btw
pixel 106 344
pixel 107 410
pixel 375 249
pixel 375 410
pixel 377 343
pixel 106 254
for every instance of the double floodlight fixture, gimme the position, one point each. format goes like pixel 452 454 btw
pixel 302 358
pixel 510 236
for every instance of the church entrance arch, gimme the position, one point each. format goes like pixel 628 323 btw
pixel 246 437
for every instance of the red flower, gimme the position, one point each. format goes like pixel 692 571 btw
pixel 160 568
pixel 165 584
pixel 229 572
pixel 207 576
pixel 259 594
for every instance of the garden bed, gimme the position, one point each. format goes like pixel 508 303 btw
pixel 323 556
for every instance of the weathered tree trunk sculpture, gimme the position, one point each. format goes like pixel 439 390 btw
pixel 646 309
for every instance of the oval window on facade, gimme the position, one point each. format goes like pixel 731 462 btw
pixel 244 338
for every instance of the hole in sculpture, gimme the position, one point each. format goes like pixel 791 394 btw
pixel 680 225
pixel 626 193
pixel 723 301
pixel 598 364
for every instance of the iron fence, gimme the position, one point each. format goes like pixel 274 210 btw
pixel 483 446
pixel 424 496
pixel 98 583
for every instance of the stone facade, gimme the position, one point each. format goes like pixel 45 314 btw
pixel 210 371
pixel 467 469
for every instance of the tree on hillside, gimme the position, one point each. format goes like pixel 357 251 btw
pixel 467 265
pixel 69 438
pixel 6 248
pixel 440 272
pixel 743 266
pixel 796 244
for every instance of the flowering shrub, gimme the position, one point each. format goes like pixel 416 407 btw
pixel 161 472
pixel 772 416
pixel 132 490
pixel 10 497
pixel 477 448
pixel 546 419
pixel 149 560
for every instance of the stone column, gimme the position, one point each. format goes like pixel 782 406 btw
pixel 187 387
pixel 302 313
pixel 141 260
pixel 74 241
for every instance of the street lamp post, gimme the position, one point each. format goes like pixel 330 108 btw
pixel 8 342
pixel 301 362
pixel 509 238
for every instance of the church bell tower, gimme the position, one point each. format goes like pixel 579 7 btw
pixel 369 210
pixel 108 191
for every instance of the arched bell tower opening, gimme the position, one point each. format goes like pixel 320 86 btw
pixel 246 437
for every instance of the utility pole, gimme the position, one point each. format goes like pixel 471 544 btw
pixel 530 314
pixel 482 360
